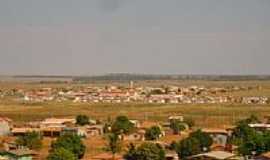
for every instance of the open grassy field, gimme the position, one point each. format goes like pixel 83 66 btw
pixel 204 115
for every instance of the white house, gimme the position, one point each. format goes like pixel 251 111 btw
pixel 5 126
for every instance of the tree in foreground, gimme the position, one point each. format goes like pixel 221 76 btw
pixel 187 147
pixel 114 144
pixel 31 140
pixel 255 144
pixel 177 126
pixel 82 120
pixel 61 154
pixel 70 142
pixel 153 133
pixel 205 140
pixel 196 143
pixel 146 151
pixel 241 133
pixel 250 141
pixel 122 125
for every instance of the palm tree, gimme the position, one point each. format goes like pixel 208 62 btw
pixel 114 144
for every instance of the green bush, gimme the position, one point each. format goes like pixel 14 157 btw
pixel 70 142
pixel 177 126
pixel 82 120
pixel 61 154
pixel 146 151
pixel 122 125
pixel 153 133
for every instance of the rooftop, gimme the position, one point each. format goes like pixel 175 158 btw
pixel 219 155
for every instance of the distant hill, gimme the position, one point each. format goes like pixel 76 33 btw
pixel 129 77
pixel 138 77
pixel 36 78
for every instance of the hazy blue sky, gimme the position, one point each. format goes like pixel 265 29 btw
pixel 86 37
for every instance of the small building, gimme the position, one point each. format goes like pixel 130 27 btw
pixel 136 123
pixel 3 158
pixel 5 126
pixel 19 154
pixel 215 155
pixel 107 156
pixel 53 127
pixel 57 122
pixel 75 131
pixel 94 130
pixel 52 131
pixel 219 136
pixel 137 136
pixel 171 155
pixel 176 118
pixel 260 126
pixel 23 130
pixel 264 156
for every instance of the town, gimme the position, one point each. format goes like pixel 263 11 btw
pixel 139 94
pixel 124 138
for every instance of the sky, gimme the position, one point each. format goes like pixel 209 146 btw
pixel 92 37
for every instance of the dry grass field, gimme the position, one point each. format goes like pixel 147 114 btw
pixel 204 115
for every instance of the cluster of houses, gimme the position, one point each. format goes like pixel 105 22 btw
pixel 50 127
pixel 54 127
pixel 119 94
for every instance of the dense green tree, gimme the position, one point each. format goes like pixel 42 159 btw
pixel 131 153
pixel 267 140
pixel 146 151
pixel 122 125
pixel 204 139
pixel 114 144
pixel 153 133
pixel 31 140
pixel 196 143
pixel 187 147
pixel 242 132
pixel 177 126
pixel 61 154
pixel 70 142
pixel 248 139
pixel 254 143
pixel 82 120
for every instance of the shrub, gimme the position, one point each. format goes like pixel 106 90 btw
pixel 70 142
pixel 146 151
pixel 61 154
pixel 153 133
pixel 122 125
pixel 82 120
